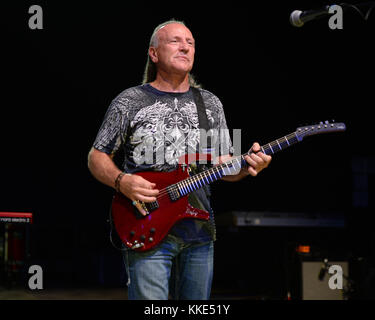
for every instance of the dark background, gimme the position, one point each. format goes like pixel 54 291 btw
pixel 271 77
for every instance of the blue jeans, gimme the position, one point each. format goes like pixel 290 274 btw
pixel 182 270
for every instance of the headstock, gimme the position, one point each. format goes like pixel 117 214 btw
pixel 325 127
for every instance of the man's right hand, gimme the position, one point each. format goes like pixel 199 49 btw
pixel 133 186
pixel 136 188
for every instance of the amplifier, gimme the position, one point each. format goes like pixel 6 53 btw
pixel 16 217
pixel 315 289
pixel 287 219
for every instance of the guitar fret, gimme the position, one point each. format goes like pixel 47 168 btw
pixel 183 188
pixel 278 145
pixel 239 163
pixel 225 167
pixel 218 172
pixel 294 138
pixel 190 183
pixel 204 173
pixel 271 148
pixel 187 186
pixel 212 175
pixel 232 167
pixel 209 175
pixel 228 169
pixel 194 183
pixel 202 177
pixel 199 181
pixel 179 188
pixel 287 141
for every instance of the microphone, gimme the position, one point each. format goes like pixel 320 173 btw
pixel 298 18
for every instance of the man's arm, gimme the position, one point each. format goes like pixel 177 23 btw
pixel 102 167
pixel 134 187
pixel 257 162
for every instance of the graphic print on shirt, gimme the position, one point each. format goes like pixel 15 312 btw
pixel 162 133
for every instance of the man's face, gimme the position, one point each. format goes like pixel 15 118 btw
pixel 175 51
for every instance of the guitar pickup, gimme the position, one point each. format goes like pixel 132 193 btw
pixel 151 206
pixel 173 194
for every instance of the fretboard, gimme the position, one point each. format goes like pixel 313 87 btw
pixel 227 168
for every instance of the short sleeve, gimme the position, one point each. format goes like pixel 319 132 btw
pixel 113 129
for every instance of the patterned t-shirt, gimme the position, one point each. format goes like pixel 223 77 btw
pixel 152 129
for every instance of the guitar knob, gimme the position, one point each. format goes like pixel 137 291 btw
pixel 152 230
pixel 132 233
pixel 151 239
pixel 142 237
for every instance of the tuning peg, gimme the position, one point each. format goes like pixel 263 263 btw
pixel 326 122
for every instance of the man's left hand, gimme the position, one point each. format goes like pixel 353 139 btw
pixel 257 160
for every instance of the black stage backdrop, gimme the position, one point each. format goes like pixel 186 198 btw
pixel 271 77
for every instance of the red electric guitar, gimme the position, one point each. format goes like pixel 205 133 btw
pixel 142 233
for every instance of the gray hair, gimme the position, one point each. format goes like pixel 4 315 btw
pixel 149 74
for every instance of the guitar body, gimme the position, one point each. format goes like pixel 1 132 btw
pixel 145 232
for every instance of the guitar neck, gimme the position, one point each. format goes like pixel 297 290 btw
pixel 232 166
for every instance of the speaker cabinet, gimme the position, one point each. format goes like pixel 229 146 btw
pixel 315 289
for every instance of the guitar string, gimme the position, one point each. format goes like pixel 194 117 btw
pixel 194 180
pixel 275 144
pixel 270 146
pixel 189 184
pixel 165 191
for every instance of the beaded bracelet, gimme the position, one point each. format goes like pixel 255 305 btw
pixel 118 179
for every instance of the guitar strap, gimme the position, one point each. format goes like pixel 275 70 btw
pixel 202 118
pixel 203 124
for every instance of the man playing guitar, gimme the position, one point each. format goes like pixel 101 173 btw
pixel 154 124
